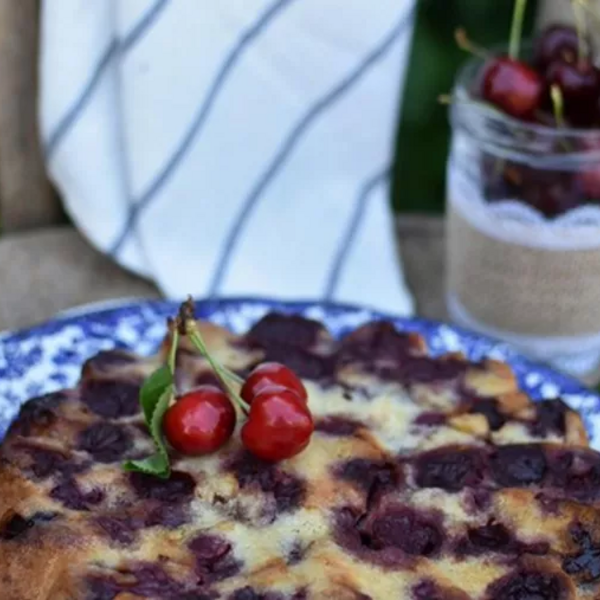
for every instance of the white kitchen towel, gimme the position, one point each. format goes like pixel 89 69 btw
pixel 231 147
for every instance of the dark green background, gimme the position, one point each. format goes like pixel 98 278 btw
pixel 423 133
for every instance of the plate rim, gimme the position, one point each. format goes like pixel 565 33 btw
pixel 79 314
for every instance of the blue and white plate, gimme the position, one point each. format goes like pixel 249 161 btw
pixel 49 356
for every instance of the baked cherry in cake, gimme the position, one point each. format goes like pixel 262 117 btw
pixel 422 478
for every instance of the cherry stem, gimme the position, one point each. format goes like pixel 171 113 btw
pixel 516 31
pixel 173 349
pixel 222 374
pixel 557 105
pixel 233 376
pixel 464 43
pixel 185 316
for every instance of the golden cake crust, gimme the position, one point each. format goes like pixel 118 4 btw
pixel 425 479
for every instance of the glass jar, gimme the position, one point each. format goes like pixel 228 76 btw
pixel 523 232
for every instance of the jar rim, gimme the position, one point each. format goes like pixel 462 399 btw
pixel 540 146
pixel 464 98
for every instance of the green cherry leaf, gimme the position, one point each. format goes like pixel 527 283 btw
pixel 156 423
pixel 157 464
pixel 153 389
pixel 155 396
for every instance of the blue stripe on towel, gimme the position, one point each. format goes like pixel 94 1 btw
pixel 233 57
pixel 143 26
pixel 115 47
pixel 315 111
pixel 347 241
pixel 71 116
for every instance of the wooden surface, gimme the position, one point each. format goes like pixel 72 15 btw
pixel 26 197
pixel 422 245
pixel 50 270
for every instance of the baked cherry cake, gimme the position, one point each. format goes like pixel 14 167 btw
pixel 425 479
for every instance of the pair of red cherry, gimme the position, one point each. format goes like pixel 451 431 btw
pixel 523 91
pixel 279 424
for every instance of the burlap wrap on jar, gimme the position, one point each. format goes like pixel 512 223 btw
pixel 532 282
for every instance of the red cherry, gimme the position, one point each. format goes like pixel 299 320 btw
pixel 512 86
pixel 279 425
pixel 271 374
pixel 200 422
pixel 590 181
pixel 556 42
pixel 580 86
pixel 589 175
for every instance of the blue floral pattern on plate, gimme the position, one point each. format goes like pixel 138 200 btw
pixel 49 356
